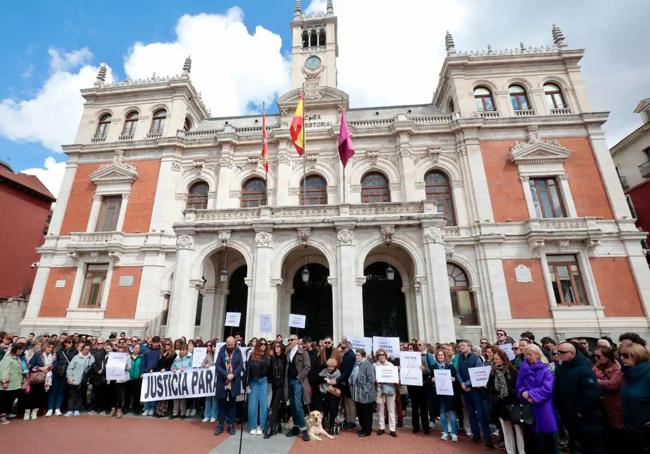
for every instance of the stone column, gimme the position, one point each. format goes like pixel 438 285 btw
pixel 219 312
pixel 226 176
pixel 477 181
pixel 497 305
pixel 264 299
pixel 283 175
pixel 207 313
pixel 349 296
pixel 185 292
pixel 440 300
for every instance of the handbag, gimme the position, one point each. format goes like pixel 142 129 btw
pixel 522 413
pixel 37 378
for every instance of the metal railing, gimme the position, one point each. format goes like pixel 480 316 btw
pixel 645 169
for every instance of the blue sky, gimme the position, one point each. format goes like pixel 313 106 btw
pixel 390 53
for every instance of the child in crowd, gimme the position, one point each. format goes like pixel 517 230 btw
pixel 331 393
pixel 183 361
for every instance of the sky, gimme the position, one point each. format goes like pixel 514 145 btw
pixel 390 52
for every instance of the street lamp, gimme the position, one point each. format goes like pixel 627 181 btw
pixel 223 276
pixel 305 271
pixel 390 273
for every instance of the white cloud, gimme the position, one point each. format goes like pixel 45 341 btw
pixel 52 116
pixel 316 6
pixel 51 174
pixel 230 66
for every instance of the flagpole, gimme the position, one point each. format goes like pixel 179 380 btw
pixel 265 159
pixel 304 148
pixel 343 107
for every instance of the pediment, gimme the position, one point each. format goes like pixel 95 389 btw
pixel 539 152
pixel 115 172
pixel 324 97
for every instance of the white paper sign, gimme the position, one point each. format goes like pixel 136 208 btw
pixel 410 370
pixel 198 355
pixel 297 320
pixel 116 366
pixel 507 349
pixel 444 385
pixel 232 318
pixel 390 344
pixel 361 342
pixel 266 323
pixel 386 374
pixel 479 376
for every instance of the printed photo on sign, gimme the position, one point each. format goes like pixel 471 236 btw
pixel 444 385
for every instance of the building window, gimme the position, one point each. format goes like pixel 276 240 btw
pixel 316 191
pixel 165 312
pixel 94 279
pixel 546 198
pixel 566 279
pixel 554 98
pixel 197 199
pixel 199 309
pixel 102 126
pixel 109 212
pixel 438 190
pixel 374 188
pixel 462 299
pixel 158 121
pixel 321 37
pixel 130 122
pixel 305 39
pixel 483 100
pixel 518 98
pixel 187 125
pixel 253 193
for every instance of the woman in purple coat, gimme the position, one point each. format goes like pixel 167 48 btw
pixel 535 384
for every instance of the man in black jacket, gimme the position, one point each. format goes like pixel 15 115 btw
pixel 347 364
pixel 578 400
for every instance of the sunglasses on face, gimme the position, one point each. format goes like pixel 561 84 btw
pixel 263 344
pixel 327 343
pixel 483 342
pixel 515 348
pixel 562 352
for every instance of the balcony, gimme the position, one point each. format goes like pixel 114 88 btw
pixel 645 169
pixel 154 135
pixel 98 139
pixel 561 111
pixel 126 137
pixel 314 214
pixel 489 114
pixel 525 113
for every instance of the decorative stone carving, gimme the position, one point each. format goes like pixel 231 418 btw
pixel 449 252
pixel 277 282
pixel 591 243
pixel 176 166
pixel 433 235
pixel 345 236
pixel 434 154
pixel 373 156
pixel 197 283
pixel 118 171
pixel 184 241
pixel 536 247
pixel 303 235
pixel 114 256
pixel 331 281
pixel 387 233
pixel 564 245
pixel 263 239
pixel 355 188
pixel 223 236
pixel 538 151
pixel 361 280
pixel 226 161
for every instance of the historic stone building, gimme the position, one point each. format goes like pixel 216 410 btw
pixel 495 204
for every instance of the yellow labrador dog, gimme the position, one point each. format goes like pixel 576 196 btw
pixel 315 426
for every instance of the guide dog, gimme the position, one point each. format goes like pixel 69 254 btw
pixel 315 426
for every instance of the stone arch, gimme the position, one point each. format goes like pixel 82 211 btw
pixel 383 166
pixel 484 83
pixel 256 173
pixel 445 164
pixel 188 179
pixel 419 267
pixel 519 81
pixel 559 81
pixel 319 169
pixel 288 247
pixel 130 109
pixel 158 107
pixel 206 251
pixel 103 112
pixel 466 266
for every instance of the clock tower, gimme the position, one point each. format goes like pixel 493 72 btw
pixel 314 50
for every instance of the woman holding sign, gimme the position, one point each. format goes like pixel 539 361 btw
pixel 385 394
pixel 445 391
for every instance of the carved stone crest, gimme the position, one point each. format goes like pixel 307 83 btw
pixel 387 233
pixel 345 236
pixel 433 235
pixel 263 239
pixel 303 235
pixel 185 241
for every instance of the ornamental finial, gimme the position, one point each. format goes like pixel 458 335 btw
pixel 330 7
pixel 101 74
pixel 297 10
pixel 449 44
pixel 558 37
pixel 187 66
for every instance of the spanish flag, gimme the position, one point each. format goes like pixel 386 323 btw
pixel 297 130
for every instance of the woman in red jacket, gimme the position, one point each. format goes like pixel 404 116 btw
pixel 610 378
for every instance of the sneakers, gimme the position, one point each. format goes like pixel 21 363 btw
pixel 205 420
pixel 35 413
pixel 454 437
pixel 258 431
pixel 119 413
pixel 91 413
pixel 193 412
pixel 213 419
pixel 49 413
pixel 112 413
pixel 444 436
pixel 57 412
pixel 145 413
pixel 4 421
pixel 68 414
pixel 253 431
pixel 27 415
pixel 76 413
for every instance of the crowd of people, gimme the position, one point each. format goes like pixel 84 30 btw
pixel 545 397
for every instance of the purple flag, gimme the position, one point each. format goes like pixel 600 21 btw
pixel 346 149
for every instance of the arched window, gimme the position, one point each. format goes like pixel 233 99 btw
pixel 197 197
pixel 188 124
pixel 313 38
pixel 158 121
pixel 130 123
pixel 102 126
pixel 316 191
pixel 305 39
pixel 321 37
pixel 253 193
pixel 518 98
pixel 554 98
pixel 437 188
pixel 483 100
pixel 462 300
pixel 374 188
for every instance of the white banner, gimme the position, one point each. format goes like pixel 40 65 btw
pixel 361 342
pixel 178 385
pixel 479 376
pixel 297 320
pixel 232 318
pixel 386 374
pixel 198 355
pixel 410 369
pixel 116 366
pixel 444 385
pixel 390 344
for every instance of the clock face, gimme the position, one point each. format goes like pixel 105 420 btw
pixel 312 62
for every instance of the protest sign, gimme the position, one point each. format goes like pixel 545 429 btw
pixel 116 366
pixel 198 355
pixel 410 370
pixel 479 375
pixel 507 349
pixel 386 374
pixel 232 318
pixel 361 342
pixel 297 320
pixel 390 344
pixel 178 384
pixel 266 323
pixel 444 385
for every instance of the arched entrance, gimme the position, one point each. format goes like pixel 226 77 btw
pixel 237 301
pixel 384 304
pixel 313 299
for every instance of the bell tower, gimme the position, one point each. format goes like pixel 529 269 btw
pixel 314 50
